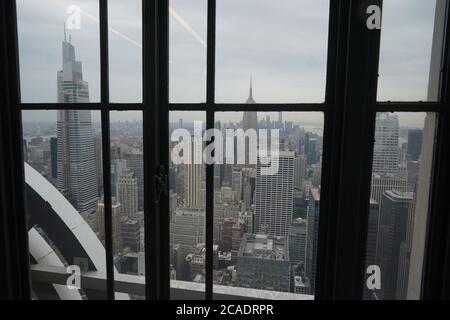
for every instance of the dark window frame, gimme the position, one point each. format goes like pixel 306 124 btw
pixel 349 111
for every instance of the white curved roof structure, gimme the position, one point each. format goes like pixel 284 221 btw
pixel 44 254
pixel 71 218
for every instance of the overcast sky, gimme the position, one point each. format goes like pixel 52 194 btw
pixel 283 47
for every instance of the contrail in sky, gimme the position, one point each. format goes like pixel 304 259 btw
pixel 186 26
pixel 172 12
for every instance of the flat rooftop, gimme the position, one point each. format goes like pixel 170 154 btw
pixel 263 247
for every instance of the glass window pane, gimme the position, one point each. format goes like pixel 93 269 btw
pixel 402 166
pixel 63 157
pixel 125 50
pixel 59 51
pixel 127 191
pixel 187 54
pixel 266 204
pixel 187 196
pixel 282 45
pixel 406 43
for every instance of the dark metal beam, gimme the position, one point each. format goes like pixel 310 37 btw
pixel 106 147
pixel 152 284
pixel 210 100
pixel 410 106
pixel 258 107
pixel 81 106
pixel 14 272
pixel 156 148
pixel 436 275
pixel 331 158
pixel 344 214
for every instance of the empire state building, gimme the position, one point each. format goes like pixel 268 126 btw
pixel 250 120
pixel 76 165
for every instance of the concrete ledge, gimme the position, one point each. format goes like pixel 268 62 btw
pixel 179 290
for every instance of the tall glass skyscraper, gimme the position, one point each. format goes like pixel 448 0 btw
pixel 75 151
pixel 386 152
pixel 274 196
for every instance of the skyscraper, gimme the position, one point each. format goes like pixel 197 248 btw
pixel 274 196
pixel 236 183
pixel 117 167
pixel 297 241
pixel 371 246
pixel 117 239
pixel 312 155
pixel 263 263
pixel 99 163
pixel 280 119
pixel 248 187
pixel 130 231
pixel 415 143
pixel 299 170
pixel 249 121
pixel 313 210
pixel 187 229
pixel 76 164
pixel 135 162
pixel 381 184
pixel 54 156
pixel 237 232
pixel 193 181
pixel 386 150
pixel 392 233
pixel 127 193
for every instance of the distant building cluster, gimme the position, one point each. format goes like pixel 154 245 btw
pixel 265 226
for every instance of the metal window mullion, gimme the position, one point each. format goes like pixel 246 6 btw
pixel 82 106
pixel 210 101
pixel 269 107
pixel 332 139
pixel 14 240
pixel 149 92
pixel 436 275
pixel 61 106
pixel 155 100
pixel 359 132
pixel 257 107
pixel 104 93
pixel 410 106
pixel 162 117
pixel 343 222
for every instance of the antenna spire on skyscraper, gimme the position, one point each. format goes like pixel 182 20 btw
pixel 250 94
pixel 251 86
pixel 65 35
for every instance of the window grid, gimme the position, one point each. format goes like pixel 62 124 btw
pixel 155 68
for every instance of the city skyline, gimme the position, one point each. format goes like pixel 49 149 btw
pixel 43 35
pixel 255 215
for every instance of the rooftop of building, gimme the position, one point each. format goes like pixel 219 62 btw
pixel 399 195
pixel 263 247
pixel 189 211
pixel 298 226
